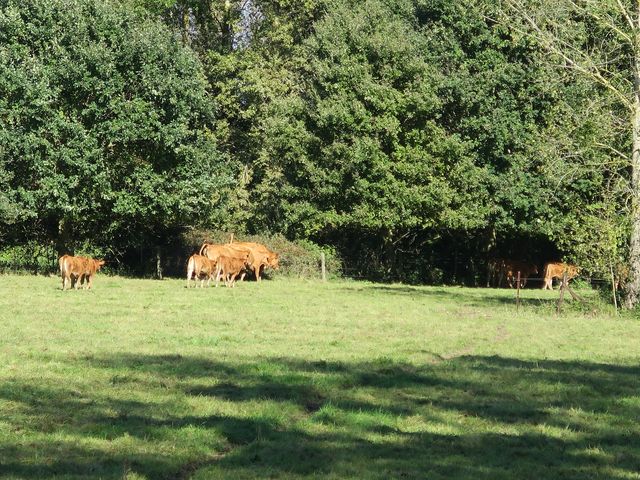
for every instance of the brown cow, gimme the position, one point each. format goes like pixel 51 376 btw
pixel 78 270
pixel 501 269
pixel 229 268
pixel 214 251
pixel 511 269
pixel 260 257
pixel 200 267
pixel 557 270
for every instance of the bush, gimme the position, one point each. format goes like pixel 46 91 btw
pixel 31 257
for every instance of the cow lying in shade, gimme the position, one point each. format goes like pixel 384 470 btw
pixel 78 271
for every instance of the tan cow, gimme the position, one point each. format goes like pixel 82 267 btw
pixel 229 268
pixel 260 257
pixel 78 270
pixel 557 270
pixel 214 251
pixel 200 267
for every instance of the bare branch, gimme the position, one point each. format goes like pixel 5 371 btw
pixel 572 56
pixel 625 13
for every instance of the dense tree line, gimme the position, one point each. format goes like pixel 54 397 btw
pixel 418 137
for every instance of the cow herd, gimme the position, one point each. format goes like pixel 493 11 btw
pixel 232 261
pixel 229 261
pixel 502 271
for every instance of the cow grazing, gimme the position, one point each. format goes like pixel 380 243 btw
pixel 557 270
pixel 78 271
pixel 200 267
pixel 229 268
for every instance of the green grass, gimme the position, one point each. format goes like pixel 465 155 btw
pixel 144 379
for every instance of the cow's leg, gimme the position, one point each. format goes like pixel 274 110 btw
pixel 219 274
pixel 258 272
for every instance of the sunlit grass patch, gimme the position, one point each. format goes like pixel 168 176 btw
pixel 297 379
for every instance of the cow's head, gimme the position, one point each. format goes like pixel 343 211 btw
pixel 274 261
pixel 98 263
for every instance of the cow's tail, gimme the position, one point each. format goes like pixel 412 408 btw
pixel 190 268
pixel 203 248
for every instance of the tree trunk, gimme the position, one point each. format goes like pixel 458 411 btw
pixel 158 262
pixel 633 287
pixel 63 239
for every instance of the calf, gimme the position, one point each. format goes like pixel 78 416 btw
pixel 200 267
pixel 557 270
pixel 229 268
pixel 511 269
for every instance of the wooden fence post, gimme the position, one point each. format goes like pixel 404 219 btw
pixel 563 285
pixel 518 293
pixel 158 262
pixel 613 289
pixel 323 266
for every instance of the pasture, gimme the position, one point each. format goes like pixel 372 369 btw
pixel 292 379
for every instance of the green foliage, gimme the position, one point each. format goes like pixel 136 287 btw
pixel 103 123
pixel 358 145
pixel 29 257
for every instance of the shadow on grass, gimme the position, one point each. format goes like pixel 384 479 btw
pixel 470 417
pixel 475 297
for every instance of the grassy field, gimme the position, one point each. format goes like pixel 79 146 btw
pixel 144 379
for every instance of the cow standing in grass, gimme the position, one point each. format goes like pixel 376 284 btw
pixel 511 269
pixel 78 271
pixel 260 257
pixel 229 268
pixel 557 270
pixel 200 267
